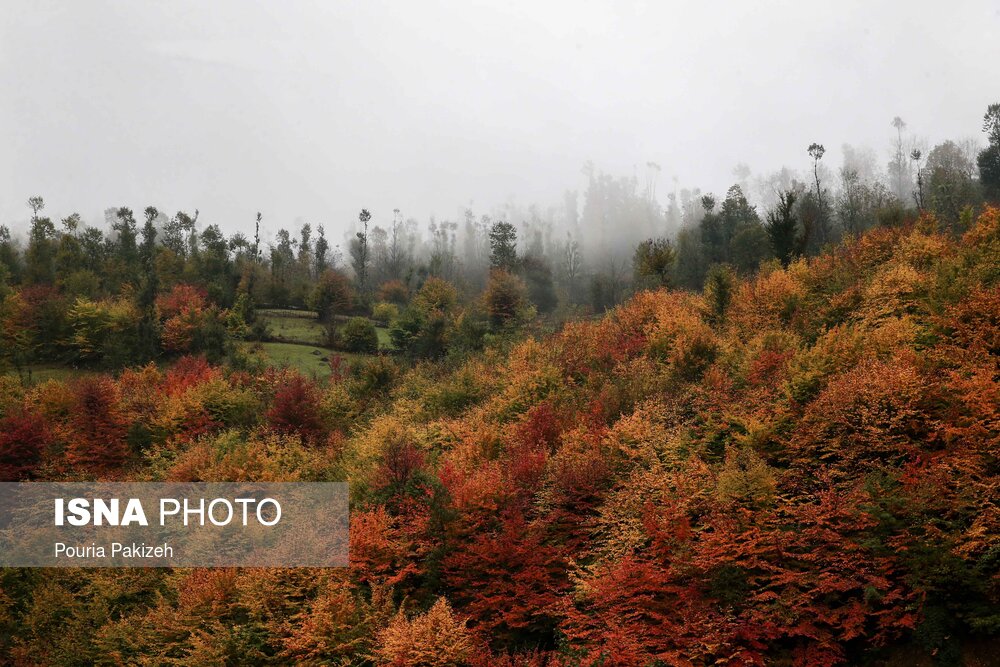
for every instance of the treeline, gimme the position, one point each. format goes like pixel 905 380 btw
pixel 84 295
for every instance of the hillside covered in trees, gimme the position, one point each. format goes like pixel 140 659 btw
pixel 798 466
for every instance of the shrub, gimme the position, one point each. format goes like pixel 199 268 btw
pixel 358 335
pixel 296 409
pixel 23 438
pixel 385 312
pixel 436 294
pixel 332 295
pixel 434 639
pixel 505 297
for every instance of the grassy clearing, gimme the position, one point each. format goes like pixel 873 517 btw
pixel 288 312
pixel 307 359
pixel 302 327
pixel 295 328
pixel 44 372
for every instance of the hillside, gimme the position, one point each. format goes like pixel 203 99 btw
pixel 799 467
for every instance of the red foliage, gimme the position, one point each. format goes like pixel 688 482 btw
pixel 540 427
pixel 508 582
pixel 387 549
pixel 296 409
pixel 97 440
pixel 181 298
pixel 23 438
pixel 187 372
pixel 747 585
pixel 401 462
pixel 767 367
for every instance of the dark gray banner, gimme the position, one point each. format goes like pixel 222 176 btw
pixel 140 524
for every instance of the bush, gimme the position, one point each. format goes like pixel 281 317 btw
pixel 374 376
pixel 358 335
pixel 332 295
pixel 384 312
pixel 505 298
pixel 394 291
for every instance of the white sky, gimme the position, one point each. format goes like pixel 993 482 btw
pixel 312 110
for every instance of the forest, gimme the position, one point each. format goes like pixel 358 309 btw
pixel 712 433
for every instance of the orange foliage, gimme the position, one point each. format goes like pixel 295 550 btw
pixel 97 442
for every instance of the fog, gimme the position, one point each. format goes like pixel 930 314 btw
pixel 308 112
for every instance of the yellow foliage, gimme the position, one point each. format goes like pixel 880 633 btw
pixel 435 639
pixel 263 457
pixel 892 291
pixel 921 250
pixel 680 335
pixel 745 477
pixel 837 349
pixel 761 303
pixel 644 436
pixel 619 528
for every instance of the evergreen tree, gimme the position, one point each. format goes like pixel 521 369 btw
pixel 503 246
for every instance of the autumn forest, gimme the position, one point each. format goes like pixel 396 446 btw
pixel 734 430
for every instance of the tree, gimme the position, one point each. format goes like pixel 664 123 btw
pixel 97 441
pixel 509 580
pixel 436 294
pixel 331 295
pixel 503 246
pixel 435 639
pixel 359 252
pixel 10 258
pixel 296 409
pixel 322 251
pixel 36 204
pixel 820 217
pixel 23 438
pixel 571 266
pixel 950 181
pixel 719 287
pixel 149 321
pixel 397 255
pixel 782 228
pixel 918 195
pixel 538 277
pixel 653 263
pixel 359 335
pixel 40 257
pixel 505 298
pixel 989 158
pixel 898 169
pixel 691 265
pixel 123 222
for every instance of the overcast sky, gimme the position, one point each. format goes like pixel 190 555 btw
pixel 312 110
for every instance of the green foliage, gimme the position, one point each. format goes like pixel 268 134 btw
pixel 503 247
pixel 653 263
pixel 783 228
pixel 989 158
pixel 538 279
pixel 358 335
pixel 331 295
pixel 505 299
pixel 384 312
pixel 719 291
